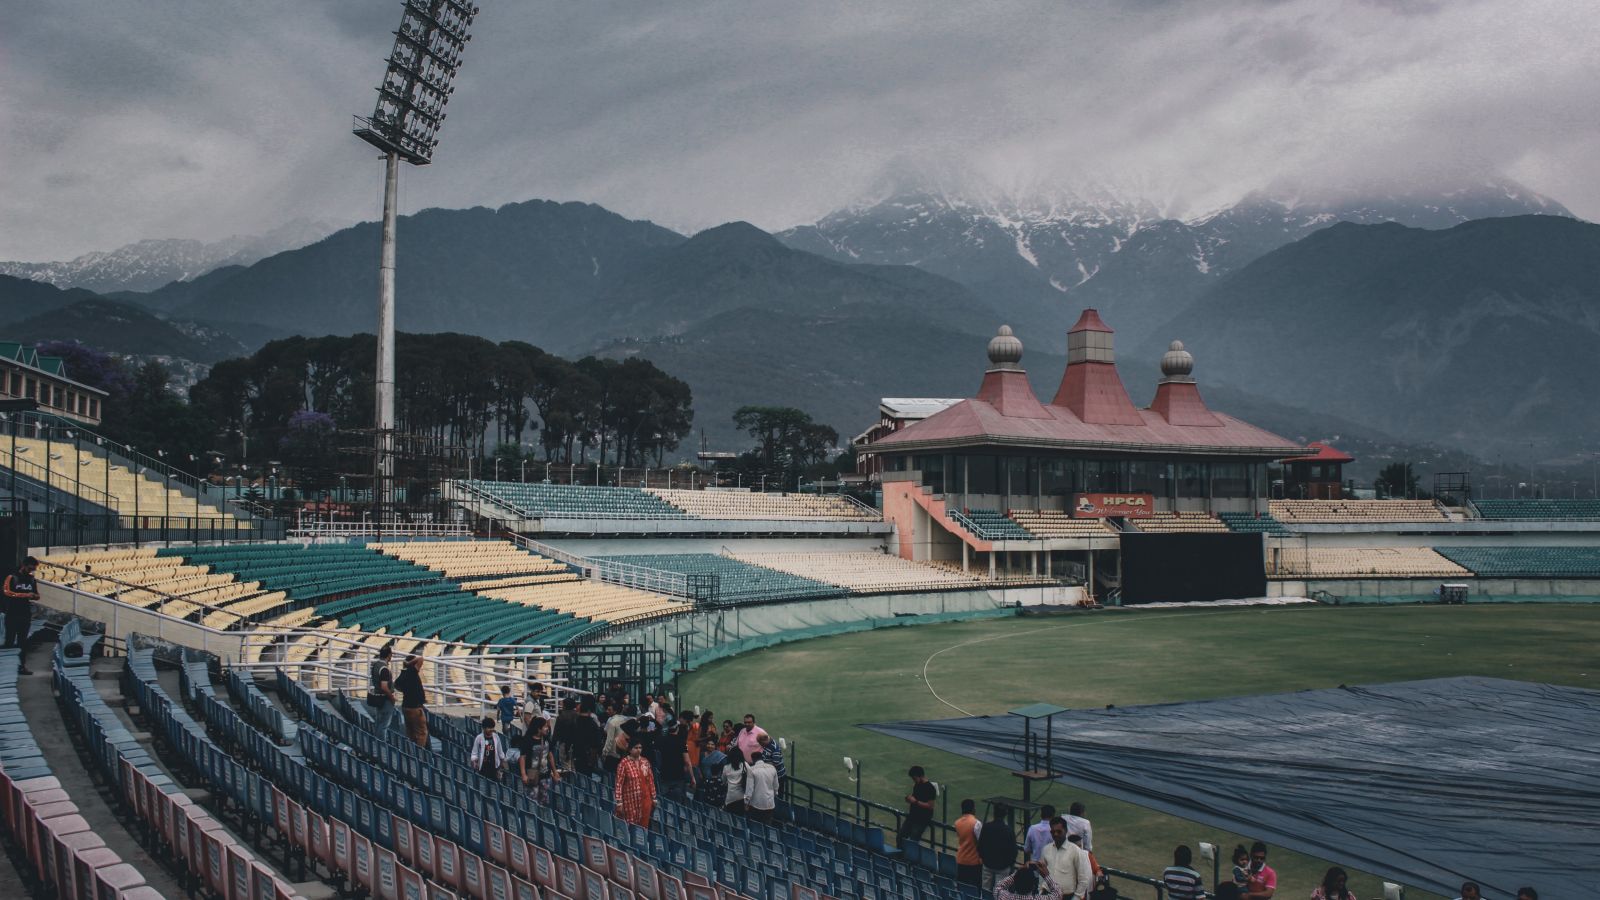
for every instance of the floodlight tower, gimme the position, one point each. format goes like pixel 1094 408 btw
pixel 427 52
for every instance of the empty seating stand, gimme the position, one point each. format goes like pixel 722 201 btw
pixel 569 501
pixel 1512 510
pixel 991 525
pixel 1527 562
pixel 1363 562
pixel 1356 511
pixel 1253 523
pixel 1181 523
pixel 737 582
pixel 866 572
pixel 1056 524
pixel 738 504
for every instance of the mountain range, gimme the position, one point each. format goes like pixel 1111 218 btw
pixel 1043 261
pixel 149 264
pixel 898 297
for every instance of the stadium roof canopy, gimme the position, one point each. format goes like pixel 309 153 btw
pixel 1324 453
pixel 1090 411
pixel 1427 783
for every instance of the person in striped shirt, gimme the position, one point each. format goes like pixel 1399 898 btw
pixel 1181 880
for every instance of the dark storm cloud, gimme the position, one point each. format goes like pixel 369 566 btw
pixel 775 112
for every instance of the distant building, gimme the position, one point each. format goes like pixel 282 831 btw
pixel 1318 477
pixel 894 413
pixel 25 375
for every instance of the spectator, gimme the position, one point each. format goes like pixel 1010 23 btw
pixel 635 788
pixel 1527 893
pixel 1181 880
pixel 615 697
pixel 726 739
pixel 1038 834
pixel 414 701
pixel 1078 825
pixel 761 789
pixel 919 806
pixel 535 766
pixel 1470 891
pixel 997 847
pixel 969 865
pixel 1066 862
pixel 380 691
pixel 564 733
pixel 733 782
pixel 1263 881
pixel 1027 881
pixel 610 750
pixel 772 753
pixel 506 706
pixel 712 788
pixel 588 735
pixel 488 755
pixel 1234 887
pixel 21 591
pixel 677 771
pixel 747 740
pixel 712 759
pixel 1333 886
pixel 695 740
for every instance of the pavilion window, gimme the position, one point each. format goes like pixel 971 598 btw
pixel 1191 480
pixel 1103 475
pixel 1230 480
pixel 1145 477
pixel 982 474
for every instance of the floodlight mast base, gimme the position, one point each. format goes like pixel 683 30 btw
pixel 383 396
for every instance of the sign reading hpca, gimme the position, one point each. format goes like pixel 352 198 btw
pixel 1106 506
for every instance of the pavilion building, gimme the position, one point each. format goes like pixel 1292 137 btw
pixel 1089 453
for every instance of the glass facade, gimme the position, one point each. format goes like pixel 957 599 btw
pixel 1029 480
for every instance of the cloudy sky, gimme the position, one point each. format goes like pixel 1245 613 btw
pixel 178 118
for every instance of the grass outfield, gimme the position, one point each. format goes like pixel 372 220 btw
pixel 815 692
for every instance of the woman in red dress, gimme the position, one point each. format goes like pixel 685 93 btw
pixel 636 788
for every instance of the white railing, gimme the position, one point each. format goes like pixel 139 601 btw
pixel 338 660
pixel 320 528
pixel 644 578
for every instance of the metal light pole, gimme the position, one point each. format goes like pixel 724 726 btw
pixel 404 124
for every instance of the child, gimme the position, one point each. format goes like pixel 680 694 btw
pixel 507 707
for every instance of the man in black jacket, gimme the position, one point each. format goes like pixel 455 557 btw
pixel 997 847
pixel 20 591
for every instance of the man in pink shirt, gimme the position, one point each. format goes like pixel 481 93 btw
pixel 1263 880
pixel 749 736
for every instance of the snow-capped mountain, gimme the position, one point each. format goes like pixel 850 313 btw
pixel 149 264
pixel 1141 268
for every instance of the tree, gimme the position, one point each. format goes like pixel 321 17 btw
pixel 788 441
pixel 1397 479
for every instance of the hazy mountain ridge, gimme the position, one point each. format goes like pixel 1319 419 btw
pixel 1039 262
pixel 148 264
pixel 1479 336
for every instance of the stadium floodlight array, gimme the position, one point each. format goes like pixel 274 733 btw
pixel 428 48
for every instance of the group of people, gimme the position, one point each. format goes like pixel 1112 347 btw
pixel 1057 853
pixel 1250 878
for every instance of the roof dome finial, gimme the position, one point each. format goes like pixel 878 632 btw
pixel 1005 350
pixel 1177 364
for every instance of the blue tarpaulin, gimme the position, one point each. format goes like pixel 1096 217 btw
pixel 1426 783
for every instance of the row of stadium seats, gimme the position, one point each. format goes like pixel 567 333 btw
pixel 724 504
pixel 1527 562
pixel 1181 523
pixel 866 572
pixel 1537 509
pixel 991 525
pixel 1054 523
pixel 83 470
pixel 198 847
pixel 1335 511
pixel 540 500
pixel 1349 562
pixel 1253 523
pixel 574 844
pixel 737 582
pixel 571 501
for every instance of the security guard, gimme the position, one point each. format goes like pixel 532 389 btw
pixel 20 591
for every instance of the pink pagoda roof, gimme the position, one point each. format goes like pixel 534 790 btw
pixel 1091 411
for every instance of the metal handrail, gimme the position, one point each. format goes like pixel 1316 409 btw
pixel 322 528
pixel 82 489
pixel 961 519
pixel 45 420
pixel 658 581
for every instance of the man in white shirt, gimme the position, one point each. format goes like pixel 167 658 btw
pixel 1078 825
pixel 1066 862
pixel 761 790
pixel 1038 835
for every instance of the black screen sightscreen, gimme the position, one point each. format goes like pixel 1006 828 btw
pixel 1190 567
